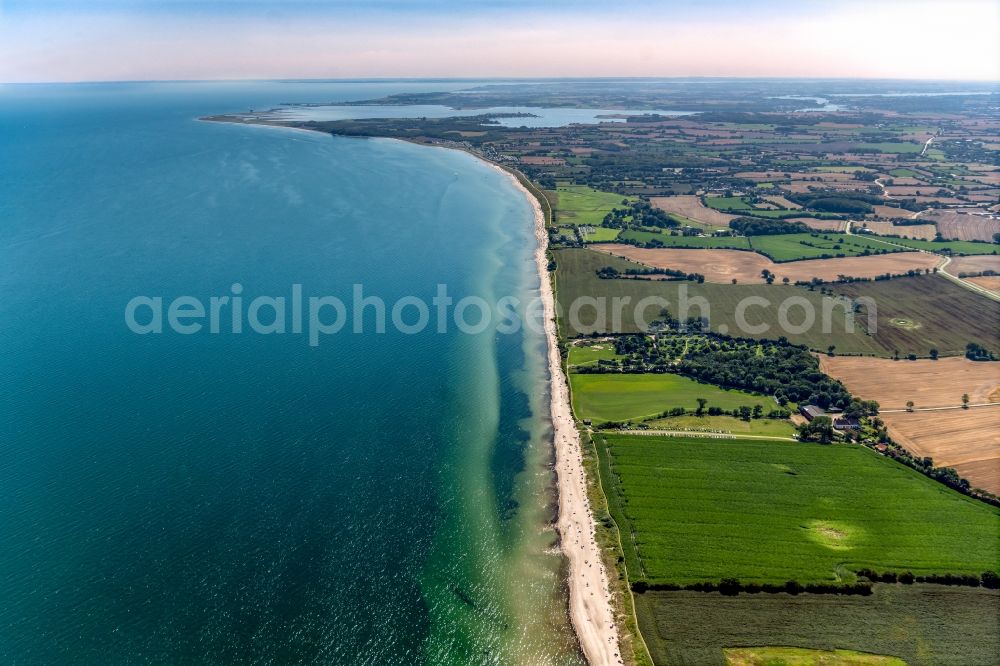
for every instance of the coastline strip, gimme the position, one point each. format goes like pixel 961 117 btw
pixel 589 595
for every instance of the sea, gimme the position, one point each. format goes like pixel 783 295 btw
pixel 225 493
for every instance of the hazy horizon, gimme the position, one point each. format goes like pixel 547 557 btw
pixel 156 40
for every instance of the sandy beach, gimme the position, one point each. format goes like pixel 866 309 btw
pixel 589 596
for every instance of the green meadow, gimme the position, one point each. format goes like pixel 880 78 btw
pixel 700 510
pixel 792 247
pixel 787 656
pixel 582 205
pixel 726 424
pixel 955 247
pixel 727 204
pixel 924 625
pixel 591 353
pixel 600 235
pixel 668 240
pixel 623 397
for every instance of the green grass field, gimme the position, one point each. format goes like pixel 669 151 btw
pixel 702 509
pixel 786 656
pixel 727 204
pixel 601 235
pixel 904 173
pixel 589 354
pixel 623 397
pixel 579 204
pixel 924 625
pixel 576 280
pixel 726 424
pixel 955 247
pixel 791 247
pixel 915 314
pixel 732 242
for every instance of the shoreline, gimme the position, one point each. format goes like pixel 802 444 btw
pixel 589 594
pixel 591 614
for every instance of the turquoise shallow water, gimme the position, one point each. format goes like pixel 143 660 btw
pixel 378 498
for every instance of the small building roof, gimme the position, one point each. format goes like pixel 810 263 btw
pixel 811 411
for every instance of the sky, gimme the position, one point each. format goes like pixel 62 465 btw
pixel 117 40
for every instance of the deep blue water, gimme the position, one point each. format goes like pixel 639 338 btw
pixel 245 497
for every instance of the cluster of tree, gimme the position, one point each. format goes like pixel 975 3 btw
pixel 752 226
pixel 976 352
pixel 732 587
pixel 849 203
pixel 987 272
pixel 638 214
pixel 611 273
pixel 820 429
pixel 988 579
pixel 745 412
pixel 788 372
pixel 654 243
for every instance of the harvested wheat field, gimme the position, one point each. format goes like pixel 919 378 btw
pixel 966 439
pixel 783 202
pixel 689 205
pixel 723 266
pixel 962 226
pixel 988 282
pixel 974 264
pixel 921 231
pixel 890 212
pixel 821 225
pixel 927 383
